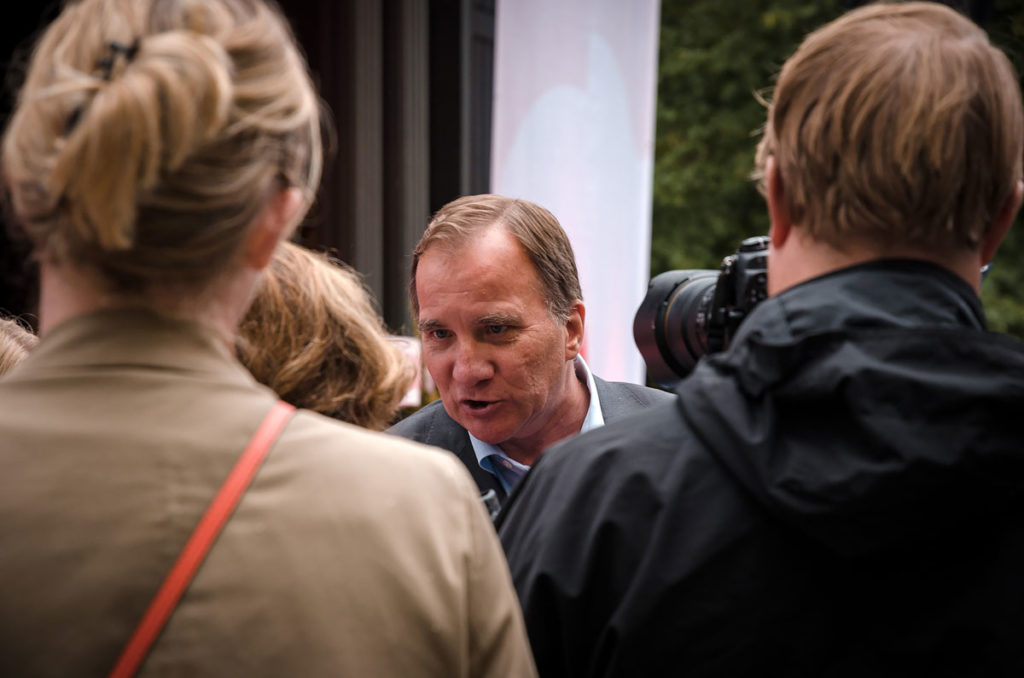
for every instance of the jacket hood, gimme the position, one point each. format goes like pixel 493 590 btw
pixel 867 407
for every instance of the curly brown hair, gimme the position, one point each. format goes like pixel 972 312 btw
pixel 313 335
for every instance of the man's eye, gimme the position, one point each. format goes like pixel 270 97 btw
pixel 440 334
pixel 497 329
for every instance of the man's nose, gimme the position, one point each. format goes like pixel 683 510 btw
pixel 472 364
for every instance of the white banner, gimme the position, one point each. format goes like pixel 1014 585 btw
pixel 574 97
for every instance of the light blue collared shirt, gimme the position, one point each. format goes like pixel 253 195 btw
pixel 509 471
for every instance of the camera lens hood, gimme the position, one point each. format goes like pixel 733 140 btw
pixel 667 325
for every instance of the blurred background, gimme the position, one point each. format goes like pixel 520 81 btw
pixel 634 121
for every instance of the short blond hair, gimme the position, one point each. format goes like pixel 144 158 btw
pixel 535 228
pixel 16 340
pixel 896 125
pixel 149 134
pixel 313 335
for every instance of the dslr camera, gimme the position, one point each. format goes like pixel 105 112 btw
pixel 688 314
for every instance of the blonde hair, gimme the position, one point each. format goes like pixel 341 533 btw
pixel 534 227
pixel 896 124
pixel 313 335
pixel 149 133
pixel 15 343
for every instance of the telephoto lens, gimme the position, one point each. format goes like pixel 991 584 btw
pixel 669 328
pixel 688 314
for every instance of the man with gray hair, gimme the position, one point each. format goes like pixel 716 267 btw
pixel 497 298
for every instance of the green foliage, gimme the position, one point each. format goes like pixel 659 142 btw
pixel 1003 291
pixel 715 57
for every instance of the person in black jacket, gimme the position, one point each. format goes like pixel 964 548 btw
pixel 841 491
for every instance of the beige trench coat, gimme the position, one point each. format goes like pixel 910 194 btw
pixel 352 554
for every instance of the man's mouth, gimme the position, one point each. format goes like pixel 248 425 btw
pixel 477 405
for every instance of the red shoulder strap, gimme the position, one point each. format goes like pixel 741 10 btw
pixel 199 542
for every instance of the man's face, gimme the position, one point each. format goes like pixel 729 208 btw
pixel 502 363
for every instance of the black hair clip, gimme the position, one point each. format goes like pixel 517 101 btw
pixel 129 51
pixel 106 67
pixel 72 121
pixel 106 64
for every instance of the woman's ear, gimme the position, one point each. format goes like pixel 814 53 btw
pixel 274 223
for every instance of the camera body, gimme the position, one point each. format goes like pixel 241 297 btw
pixel 690 313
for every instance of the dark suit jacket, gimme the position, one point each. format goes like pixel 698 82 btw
pixel 433 426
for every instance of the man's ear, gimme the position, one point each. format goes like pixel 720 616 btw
pixel 775 194
pixel 1001 223
pixel 574 330
pixel 274 223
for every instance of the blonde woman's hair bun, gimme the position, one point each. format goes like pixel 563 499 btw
pixel 173 96
pixel 149 134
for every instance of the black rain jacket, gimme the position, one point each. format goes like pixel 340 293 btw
pixel 838 494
